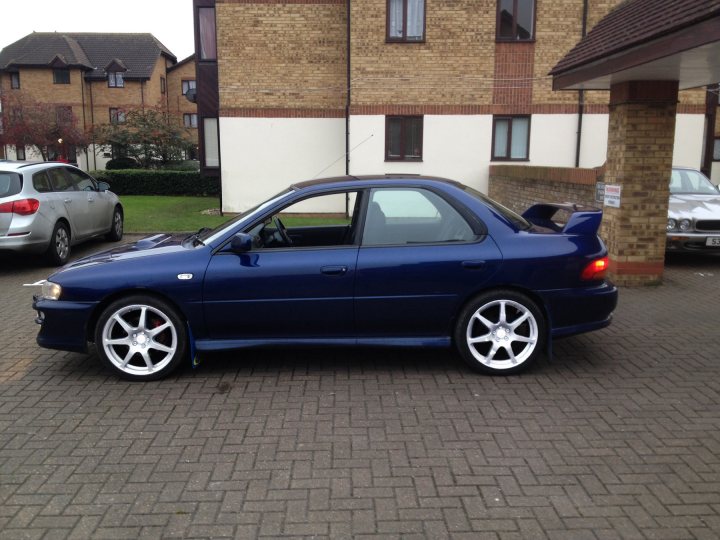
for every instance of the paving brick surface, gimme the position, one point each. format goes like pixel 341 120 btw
pixel 616 436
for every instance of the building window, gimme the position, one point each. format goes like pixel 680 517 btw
pixel 190 120
pixel 117 116
pixel 403 138
pixel 516 20
pixel 162 85
pixel 187 85
pixel 20 153
pixel 406 20
pixel 14 81
pixel 206 31
pixel 61 76
pixel 511 138
pixel 116 79
pixel 212 142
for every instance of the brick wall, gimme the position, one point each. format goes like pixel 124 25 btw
pixel 519 187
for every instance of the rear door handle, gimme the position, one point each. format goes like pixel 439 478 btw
pixel 473 265
pixel 68 201
pixel 334 270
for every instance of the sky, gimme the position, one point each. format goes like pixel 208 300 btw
pixel 168 20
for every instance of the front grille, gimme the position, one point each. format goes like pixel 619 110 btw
pixel 710 225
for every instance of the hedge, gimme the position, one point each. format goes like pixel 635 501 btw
pixel 155 182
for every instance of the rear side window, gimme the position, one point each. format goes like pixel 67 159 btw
pixel 10 184
pixel 41 182
pixel 59 180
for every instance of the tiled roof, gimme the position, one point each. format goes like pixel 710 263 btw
pixel 633 23
pixel 92 51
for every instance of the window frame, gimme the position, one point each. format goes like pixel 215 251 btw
pixel 188 120
pixel 15 80
pixel 20 150
pixel 117 113
pixel 61 80
pixel 508 142
pixel 113 76
pixel 163 85
pixel 182 86
pixel 404 38
pixel 405 118
pixel 502 39
pixel 207 48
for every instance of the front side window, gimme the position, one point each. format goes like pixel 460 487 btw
pixel 81 181
pixel 511 138
pixel 406 20
pixel 61 76
pixel 516 20
pixel 116 79
pixel 404 216
pixel 206 32
pixel 190 120
pixel 59 180
pixel 187 85
pixel 14 81
pixel 117 116
pixel 403 138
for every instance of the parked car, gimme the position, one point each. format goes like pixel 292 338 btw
pixel 48 207
pixel 418 262
pixel 694 212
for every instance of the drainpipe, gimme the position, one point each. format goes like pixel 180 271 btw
pixel 581 93
pixel 711 106
pixel 82 98
pixel 92 121
pixel 347 108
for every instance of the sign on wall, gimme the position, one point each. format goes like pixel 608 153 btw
pixel 612 195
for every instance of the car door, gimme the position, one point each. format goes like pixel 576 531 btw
pixel 69 202
pixel 98 210
pixel 418 261
pixel 279 290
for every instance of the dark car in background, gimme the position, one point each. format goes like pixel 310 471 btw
pixel 47 207
pixel 412 262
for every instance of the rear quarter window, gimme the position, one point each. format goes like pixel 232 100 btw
pixel 10 184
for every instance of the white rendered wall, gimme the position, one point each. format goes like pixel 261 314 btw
pixel 593 145
pixel 454 146
pixel 553 138
pixel 689 135
pixel 261 156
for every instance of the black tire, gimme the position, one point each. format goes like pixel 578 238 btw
pixel 116 227
pixel 58 250
pixel 500 345
pixel 139 350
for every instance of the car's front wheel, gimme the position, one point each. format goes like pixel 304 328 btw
pixel 141 338
pixel 116 230
pixel 500 332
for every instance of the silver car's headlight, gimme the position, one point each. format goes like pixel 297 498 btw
pixel 671 225
pixel 51 291
pixel 685 225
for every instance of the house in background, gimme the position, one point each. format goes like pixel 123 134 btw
pixel 92 78
pixel 290 90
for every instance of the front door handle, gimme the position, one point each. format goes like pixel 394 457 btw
pixel 473 265
pixel 68 201
pixel 334 270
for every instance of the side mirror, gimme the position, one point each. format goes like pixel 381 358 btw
pixel 103 186
pixel 241 243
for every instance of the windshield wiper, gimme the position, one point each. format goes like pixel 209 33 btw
pixel 195 237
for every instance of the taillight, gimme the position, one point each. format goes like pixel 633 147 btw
pixel 595 270
pixel 23 207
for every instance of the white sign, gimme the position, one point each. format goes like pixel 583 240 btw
pixel 612 195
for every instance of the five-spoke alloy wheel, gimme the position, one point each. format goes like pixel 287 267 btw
pixel 500 332
pixel 140 338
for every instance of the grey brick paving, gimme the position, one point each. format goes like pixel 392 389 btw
pixel 617 436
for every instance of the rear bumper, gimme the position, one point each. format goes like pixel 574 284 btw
pixel 574 311
pixel 63 325
pixel 27 243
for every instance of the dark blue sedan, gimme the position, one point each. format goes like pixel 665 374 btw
pixel 398 261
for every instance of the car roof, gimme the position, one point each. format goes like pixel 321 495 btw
pixel 13 165
pixel 370 179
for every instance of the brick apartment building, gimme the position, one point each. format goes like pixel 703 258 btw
pixel 443 87
pixel 94 78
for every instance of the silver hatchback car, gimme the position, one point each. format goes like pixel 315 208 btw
pixel 47 207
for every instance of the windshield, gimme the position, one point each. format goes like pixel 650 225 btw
pixel 516 219
pixel 691 182
pixel 10 184
pixel 210 235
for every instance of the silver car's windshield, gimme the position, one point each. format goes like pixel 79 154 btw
pixel 10 184
pixel 691 182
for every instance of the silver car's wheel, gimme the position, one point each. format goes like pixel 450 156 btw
pixel 116 230
pixel 141 338
pixel 500 332
pixel 59 249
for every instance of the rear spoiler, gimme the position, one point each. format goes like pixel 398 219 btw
pixel 583 220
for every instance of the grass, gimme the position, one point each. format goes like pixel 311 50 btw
pixel 150 214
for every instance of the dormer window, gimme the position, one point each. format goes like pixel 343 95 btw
pixel 116 79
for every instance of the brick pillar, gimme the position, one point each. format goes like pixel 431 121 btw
pixel 640 149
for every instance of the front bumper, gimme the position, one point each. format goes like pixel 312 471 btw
pixel 63 325
pixel 692 242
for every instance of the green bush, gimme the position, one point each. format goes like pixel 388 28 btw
pixel 156 182
pixel 121 163
pixel 188 165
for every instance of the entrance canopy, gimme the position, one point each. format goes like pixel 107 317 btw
pixel 648 40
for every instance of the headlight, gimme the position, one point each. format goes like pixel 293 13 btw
pixel 51 291
pixel 671 224
pixel 685 225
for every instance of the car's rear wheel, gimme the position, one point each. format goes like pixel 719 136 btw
pixel 141 338
pixel 116 230
pixel 59 249
pixel 500 332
